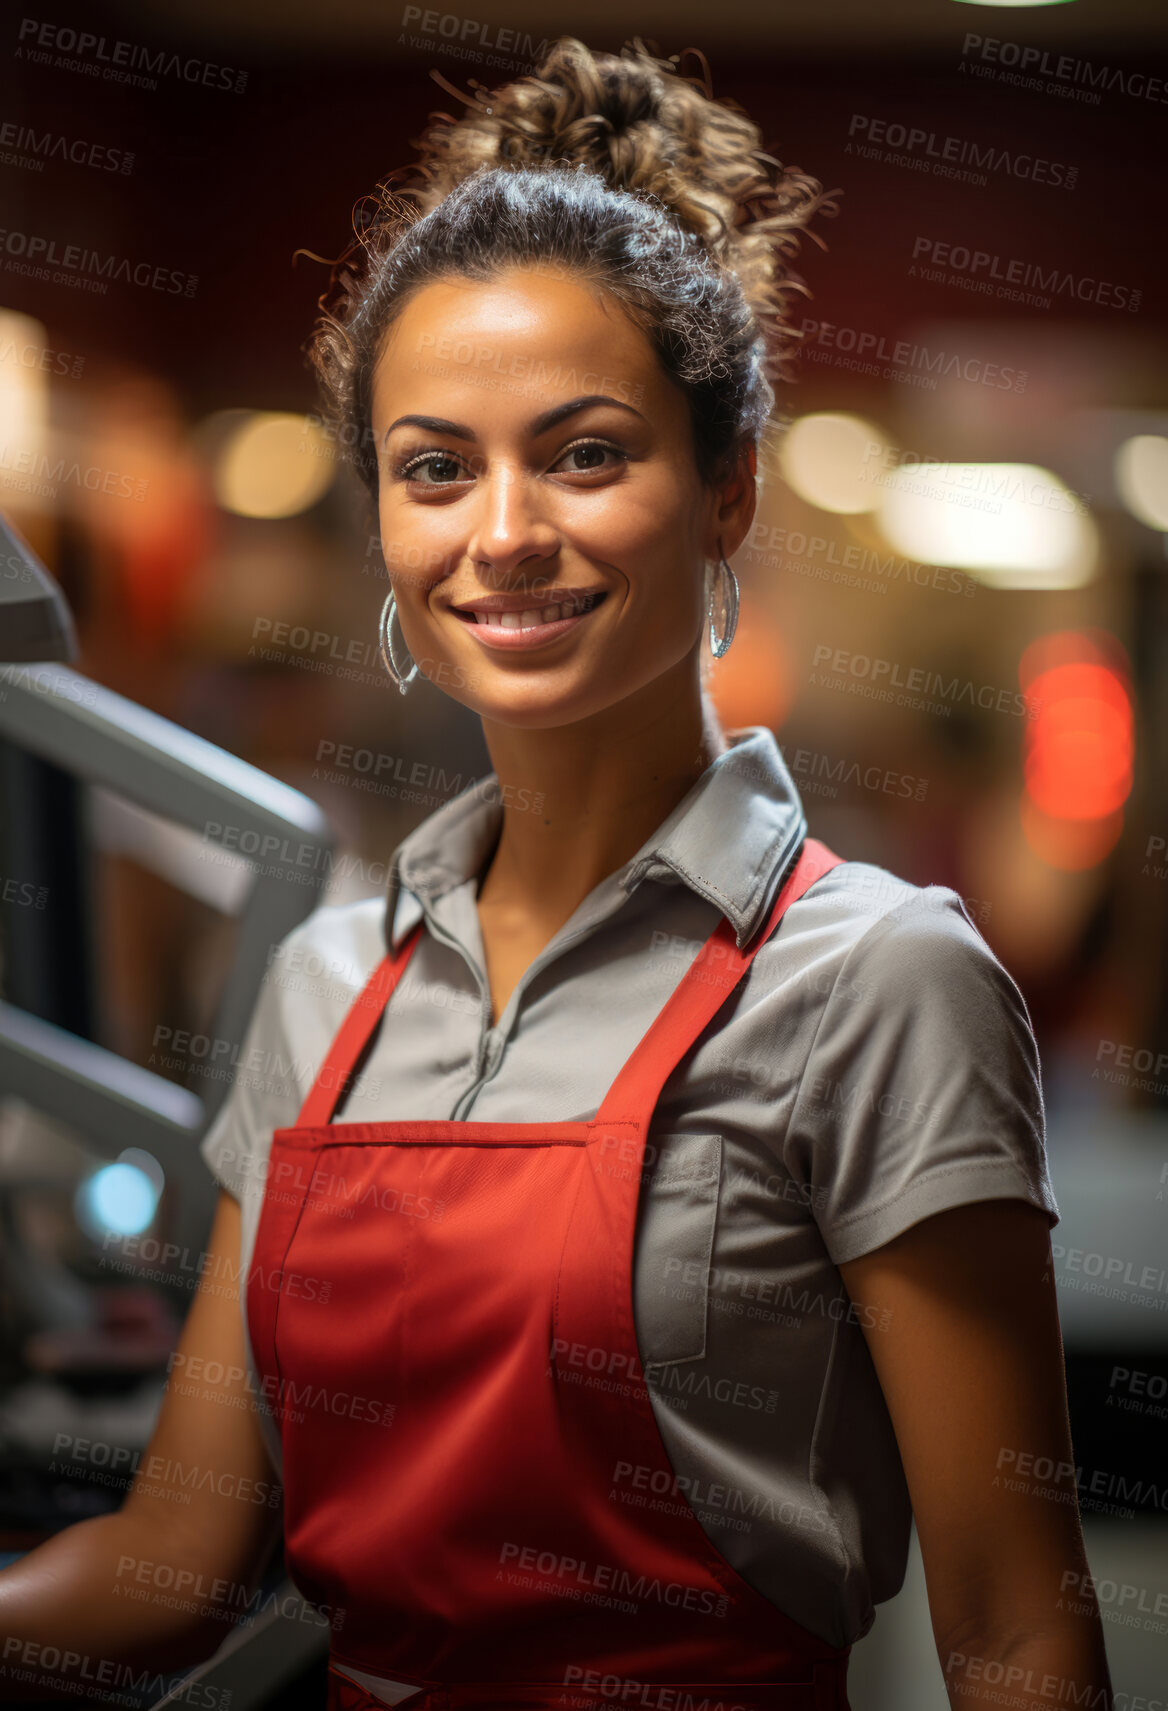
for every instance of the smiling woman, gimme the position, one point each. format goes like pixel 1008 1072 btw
pixel 597 262
pixel 690 1233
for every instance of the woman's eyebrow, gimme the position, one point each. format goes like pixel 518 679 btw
pixel 540 425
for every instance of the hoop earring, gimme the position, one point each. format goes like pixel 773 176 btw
pixel 385 638
pixel 729 601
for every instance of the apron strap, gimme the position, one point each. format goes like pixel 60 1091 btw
pixel 354 1034
pixel 704 988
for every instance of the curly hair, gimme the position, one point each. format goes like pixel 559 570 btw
pixel 620 170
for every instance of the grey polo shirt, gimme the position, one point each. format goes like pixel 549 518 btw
pixel 875 1066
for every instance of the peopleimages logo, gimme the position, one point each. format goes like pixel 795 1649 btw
pixel 50 361
pixel 574 1571
pixel 945 155
pixel 1064 71
pixel 864 351
pixel 120 1683
pixel 91 269
pixel 878 678
pixel 992 484
pixel 81 50
pixel 41 467
pixel 47 145
pixel 484 35
pixel 960 259
pixel 811 766
pixel 824 560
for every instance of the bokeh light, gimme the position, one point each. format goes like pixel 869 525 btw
pixel 1141 475
pixel 117 1199
pixel 24 408
pixel 1011 525
pixel 272 465
pixel 1079 746
pixel 830 459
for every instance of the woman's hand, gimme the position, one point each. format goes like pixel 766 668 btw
pixel 159 1583
pixel 971 1365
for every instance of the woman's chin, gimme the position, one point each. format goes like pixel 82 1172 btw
pixel 540 703
pixel 537 713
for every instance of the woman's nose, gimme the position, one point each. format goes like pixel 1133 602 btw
pixel 511 522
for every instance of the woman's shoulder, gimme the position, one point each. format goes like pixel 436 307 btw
pixel 920 1088
pixel 868 933
pixel 314 973
pixel 343 942
pixel 312 976
pixel 862 898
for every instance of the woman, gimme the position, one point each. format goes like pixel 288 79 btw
pixel 688 1216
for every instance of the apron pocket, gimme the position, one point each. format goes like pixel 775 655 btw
pixel 675 1238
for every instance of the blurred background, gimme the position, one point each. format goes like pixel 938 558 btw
pixel 955 619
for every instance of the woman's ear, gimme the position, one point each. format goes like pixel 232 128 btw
pixel 738 495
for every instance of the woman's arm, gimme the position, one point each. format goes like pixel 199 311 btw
pixel 154 1584
pixel 971 1365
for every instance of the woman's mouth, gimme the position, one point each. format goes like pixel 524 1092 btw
pixel 530 626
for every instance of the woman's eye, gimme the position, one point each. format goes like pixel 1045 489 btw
pixel 595 451
pixel 412 470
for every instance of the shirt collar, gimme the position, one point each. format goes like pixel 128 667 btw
pixel 731 839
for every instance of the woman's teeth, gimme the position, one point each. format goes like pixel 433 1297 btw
pixel 535 615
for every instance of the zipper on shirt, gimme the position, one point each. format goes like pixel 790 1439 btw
pixel 443 937
pixel 483 1073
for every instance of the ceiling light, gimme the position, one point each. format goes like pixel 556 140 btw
pixel 831 459
pixel 1011 525
pixel 1141 475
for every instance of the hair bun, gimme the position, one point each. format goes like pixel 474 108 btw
pixel 642 126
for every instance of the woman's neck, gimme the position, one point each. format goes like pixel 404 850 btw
pixel 579 800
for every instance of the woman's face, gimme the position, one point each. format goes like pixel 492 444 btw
pixel 543 523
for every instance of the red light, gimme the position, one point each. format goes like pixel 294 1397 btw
pixel 1079 745
pixel 1080 681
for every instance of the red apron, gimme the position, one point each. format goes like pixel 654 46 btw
pixel 476 1491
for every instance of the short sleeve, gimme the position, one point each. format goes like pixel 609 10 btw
pixel 922 1089
pixel 264 1096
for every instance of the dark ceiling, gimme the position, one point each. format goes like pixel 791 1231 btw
pixel 227 186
